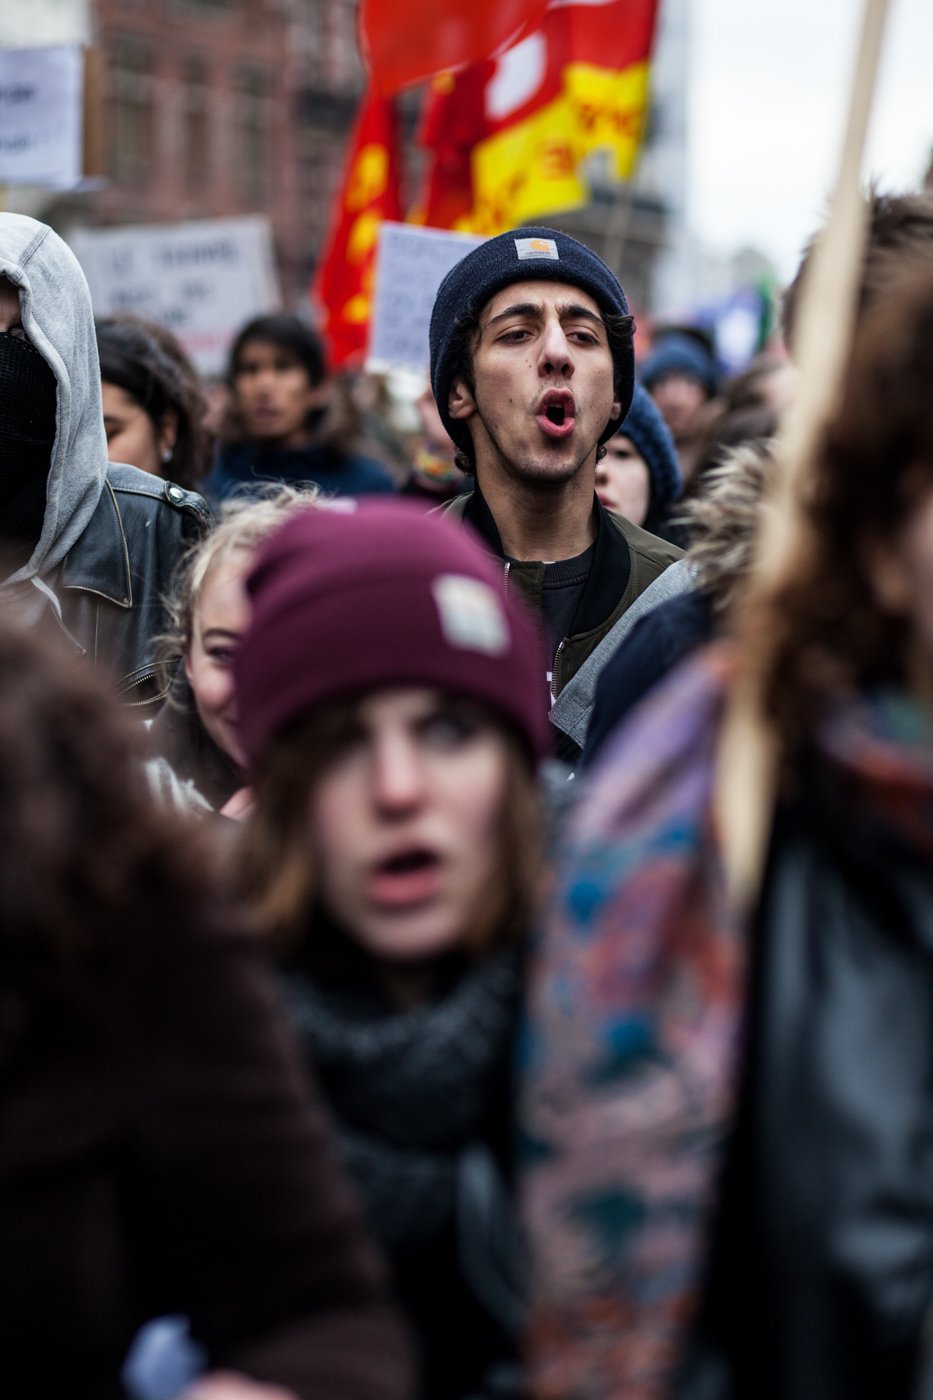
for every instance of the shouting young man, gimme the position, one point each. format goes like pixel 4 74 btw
pixel 532 367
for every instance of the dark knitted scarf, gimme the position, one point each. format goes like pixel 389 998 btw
pixel 412 1091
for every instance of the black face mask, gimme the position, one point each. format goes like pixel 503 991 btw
pixel 27 434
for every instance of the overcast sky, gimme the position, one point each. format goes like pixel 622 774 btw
pixel 768 90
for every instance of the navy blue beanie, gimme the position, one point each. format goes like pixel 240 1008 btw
pixel 521 255
pixel 676 353
pixel 651 438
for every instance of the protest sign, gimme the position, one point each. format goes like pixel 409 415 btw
pixel 410 265
pixel 41 116
pixel 202 280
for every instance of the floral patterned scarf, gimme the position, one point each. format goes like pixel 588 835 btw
pixel 634 1030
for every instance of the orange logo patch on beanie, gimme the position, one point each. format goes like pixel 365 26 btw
pixel 536 248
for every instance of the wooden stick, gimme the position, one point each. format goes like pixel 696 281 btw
pixel 93 161
pixel 747 757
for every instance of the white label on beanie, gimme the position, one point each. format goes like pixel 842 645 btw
pixel 471 614
pixel 536 248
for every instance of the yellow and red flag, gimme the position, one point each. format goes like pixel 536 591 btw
pixel 407 41
pixel 370 193
pixel 509 134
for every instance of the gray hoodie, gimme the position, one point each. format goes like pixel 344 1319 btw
pixel 111 535
pixel 55 306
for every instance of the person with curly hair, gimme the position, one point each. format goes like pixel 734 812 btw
pixel 162 1150
pixel 729 1109
pixel 154 406
pixel 532 368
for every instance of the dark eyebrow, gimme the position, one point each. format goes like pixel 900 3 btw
pixel 521 308
pixel 530 308
pixel 573 309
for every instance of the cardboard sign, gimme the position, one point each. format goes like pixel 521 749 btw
pixel 41 116
pixel 410 266
pixel 202 279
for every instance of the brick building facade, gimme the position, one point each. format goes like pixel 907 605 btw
pixel 224 107
pixel 227 107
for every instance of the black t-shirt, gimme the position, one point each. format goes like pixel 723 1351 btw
pixel 561 591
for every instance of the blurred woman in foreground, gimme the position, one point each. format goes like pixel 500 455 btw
pixel 731 1190
pixel 389 705
pixel 160 1152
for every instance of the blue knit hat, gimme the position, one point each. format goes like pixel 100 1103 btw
pixel 651 438
pixel 676 353
pixel 521 255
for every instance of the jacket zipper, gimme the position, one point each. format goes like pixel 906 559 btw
pixel 505 572
pixel 557 653
pixel 156 699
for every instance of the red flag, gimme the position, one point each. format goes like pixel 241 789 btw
pixel 508 136
pixel 369 194
pixel 406 41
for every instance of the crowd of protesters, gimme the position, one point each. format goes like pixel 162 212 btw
pixel 377 1018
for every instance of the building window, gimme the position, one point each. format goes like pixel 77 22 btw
pixel 253 122
pixel 341 61
pixel 132 115
pixel 196 127
pixel 204 7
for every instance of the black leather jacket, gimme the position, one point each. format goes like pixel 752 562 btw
pixel 113 582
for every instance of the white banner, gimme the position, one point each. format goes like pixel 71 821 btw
pixel 203 279
pixel 41 116
pixel 411 263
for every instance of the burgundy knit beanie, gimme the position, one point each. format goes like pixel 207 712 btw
pixel 347 603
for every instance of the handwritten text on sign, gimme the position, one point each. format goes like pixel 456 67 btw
pixel 202 279
pixel 41 116
pixel 411 264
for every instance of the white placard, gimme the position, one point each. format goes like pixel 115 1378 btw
pixel 202 279
pixel 411 263
pixel 41 116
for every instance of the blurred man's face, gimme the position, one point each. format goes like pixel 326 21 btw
pixel 274 394
pixel 679 398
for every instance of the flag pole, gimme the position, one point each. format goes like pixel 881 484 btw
pixel 748 757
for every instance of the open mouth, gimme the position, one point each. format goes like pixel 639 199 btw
pixel 408 861
pixel 408 878
pixel 557 413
